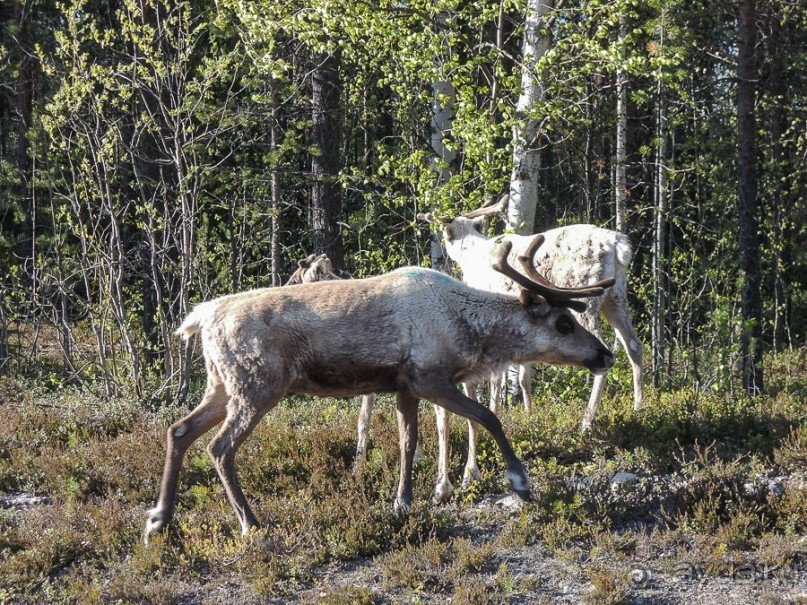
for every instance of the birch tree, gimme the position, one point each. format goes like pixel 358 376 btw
pixel 620 181
pixel 660 197
pixel 527 128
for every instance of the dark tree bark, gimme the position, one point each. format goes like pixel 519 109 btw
pixel 782 202
pixel 274 246
pixel 326 196
pixel 4 357
pixel 22 54
pixel 751 338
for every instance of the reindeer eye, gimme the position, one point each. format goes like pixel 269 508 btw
pixel 564 325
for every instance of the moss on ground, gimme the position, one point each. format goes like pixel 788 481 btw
pixel 719 491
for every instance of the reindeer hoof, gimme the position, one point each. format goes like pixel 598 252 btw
pixel 155 524
pixel 520 485
pixel 443 492
pixel 249 529
pixel 402 506
pixel 470 476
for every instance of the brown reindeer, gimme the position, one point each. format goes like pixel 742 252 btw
pixel 414 332
pixel 312 268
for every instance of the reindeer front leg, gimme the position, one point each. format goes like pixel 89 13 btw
pixel 408 438
pixel 443 490
pixel 365 416
pixel 443 393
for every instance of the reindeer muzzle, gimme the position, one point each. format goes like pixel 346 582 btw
pixel 601 362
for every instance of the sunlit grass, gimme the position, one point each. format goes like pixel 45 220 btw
pixel 99 463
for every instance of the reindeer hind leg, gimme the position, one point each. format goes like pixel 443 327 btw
pixel 408 436
pixel 210 412
pixel 365 418
pixel 244 412
pixel 616 312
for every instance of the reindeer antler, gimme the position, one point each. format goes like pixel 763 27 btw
pixel 487 209
pixel 527 261
pixel 434 219
pixel 557 297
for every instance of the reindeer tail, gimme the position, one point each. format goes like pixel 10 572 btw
pixel 193 322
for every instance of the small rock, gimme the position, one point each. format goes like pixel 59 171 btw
pixel 762 487
pixel 641 578
pixel 775 488
pixel 623 479
pixel 509 502
pixel 576 483
pixel 19 501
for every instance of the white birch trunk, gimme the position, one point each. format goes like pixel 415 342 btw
pixel 620 182
pixel 526 155
pixel 660 219
pixel 442 122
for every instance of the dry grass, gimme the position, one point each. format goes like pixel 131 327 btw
pixel 721 485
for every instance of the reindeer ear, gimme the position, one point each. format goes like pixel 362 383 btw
pixel 535 304
pixel 306 262
pixel 481 224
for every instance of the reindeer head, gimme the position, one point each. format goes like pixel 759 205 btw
pixel 549 305
pixel 469 224
pixel 312 268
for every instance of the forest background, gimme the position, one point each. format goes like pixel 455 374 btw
pixel 159 153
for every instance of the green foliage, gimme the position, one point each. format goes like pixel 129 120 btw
pixel 167 159
pixel 170 161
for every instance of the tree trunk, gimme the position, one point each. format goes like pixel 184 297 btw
pixel 751 338
pixel 620 182
pixel 4 357
pixel 782 202
pixel 442 120
pixel 274 192
pixel 526 131
pixel 326 199
pixel 24 93
pixel 660 227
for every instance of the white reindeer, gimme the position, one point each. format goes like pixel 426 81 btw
pixel 414 332
pixel 572 256
pixel 312 268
